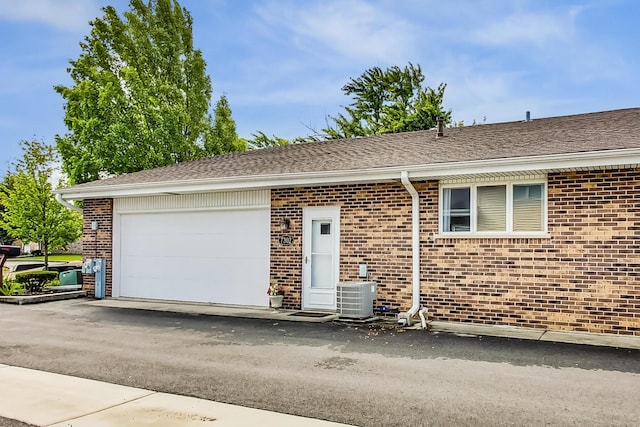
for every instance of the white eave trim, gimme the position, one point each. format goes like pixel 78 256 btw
pixel 624 158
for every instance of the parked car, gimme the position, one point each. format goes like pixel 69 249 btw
pixel 10 251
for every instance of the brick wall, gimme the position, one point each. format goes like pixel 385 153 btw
pixel 584 277
pixel 98 243
pixel 375 229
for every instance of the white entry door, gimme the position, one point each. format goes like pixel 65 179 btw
pixel 321 243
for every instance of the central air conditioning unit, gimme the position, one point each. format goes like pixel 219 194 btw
pixel 355 299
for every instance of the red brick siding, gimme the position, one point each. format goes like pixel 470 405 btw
pixel 98 243
pixel 584 277
pixel 375 229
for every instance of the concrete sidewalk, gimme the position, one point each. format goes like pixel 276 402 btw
pixel 47 399
pixel 607 340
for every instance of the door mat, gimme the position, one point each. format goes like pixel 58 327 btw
pixel 311 314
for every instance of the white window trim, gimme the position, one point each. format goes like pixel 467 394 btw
pixel 473 185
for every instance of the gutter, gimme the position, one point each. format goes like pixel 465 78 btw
pixel 405 318
pixel 66 204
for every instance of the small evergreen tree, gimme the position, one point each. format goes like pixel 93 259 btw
pixel 224 138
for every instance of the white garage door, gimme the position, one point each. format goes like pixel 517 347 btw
pixel 217 256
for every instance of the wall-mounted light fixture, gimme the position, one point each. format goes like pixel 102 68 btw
pixel 94 225
pixel 284 225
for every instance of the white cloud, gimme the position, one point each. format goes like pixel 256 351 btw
pixel 282 86
pixel 475 89
pixel 527 29
pixel 70 15
pixel 588 63
pixel 356 30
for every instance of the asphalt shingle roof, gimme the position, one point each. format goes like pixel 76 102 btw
pixel 609 130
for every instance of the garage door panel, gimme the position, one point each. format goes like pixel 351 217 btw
pixel 210 256
pixel 209 244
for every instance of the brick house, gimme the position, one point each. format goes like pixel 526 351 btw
pixel 533 223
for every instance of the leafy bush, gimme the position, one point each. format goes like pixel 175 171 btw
pixel 34 281
pixel 11 287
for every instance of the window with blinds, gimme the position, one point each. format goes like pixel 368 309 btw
pixel 492 208
pixel 501 207
pixel 528 210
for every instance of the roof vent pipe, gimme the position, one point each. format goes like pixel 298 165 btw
pixel 528 116
pixel 440 130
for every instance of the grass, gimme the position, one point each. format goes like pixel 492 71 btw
pixel 55 258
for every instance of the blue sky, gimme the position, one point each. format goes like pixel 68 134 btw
pixel 282 63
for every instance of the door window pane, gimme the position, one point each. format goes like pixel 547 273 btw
pixel 325 228
pixel 321 271
pixel 321 254
pixel 528 207
pixel 492 208
pixel 457 209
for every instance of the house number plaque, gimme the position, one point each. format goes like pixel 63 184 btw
pixel 286 240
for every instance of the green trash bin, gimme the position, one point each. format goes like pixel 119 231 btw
pixel 70 277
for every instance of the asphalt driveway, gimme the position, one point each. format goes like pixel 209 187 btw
pixel 359 375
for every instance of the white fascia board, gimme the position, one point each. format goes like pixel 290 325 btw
pixel 592 159
pixel 229 184
pixel 571 161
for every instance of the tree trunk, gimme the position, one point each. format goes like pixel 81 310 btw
pixel 45 251
pixel 3 258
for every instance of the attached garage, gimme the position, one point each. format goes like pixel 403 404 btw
pixel 211 247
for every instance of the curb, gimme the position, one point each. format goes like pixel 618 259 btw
pixel 34 299
pixel 569 337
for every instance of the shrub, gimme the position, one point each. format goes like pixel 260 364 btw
pixel 11 287
pixel 34 281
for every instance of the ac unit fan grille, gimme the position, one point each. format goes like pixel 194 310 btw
pixel 355 299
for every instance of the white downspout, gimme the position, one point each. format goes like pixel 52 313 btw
pixel 405 318
pixel 66 204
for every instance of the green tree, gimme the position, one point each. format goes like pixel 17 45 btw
pixel 31 212
pixel 224 138
pixel 140 96
pixel 388 101
pixel 5 237
pixel 261 140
